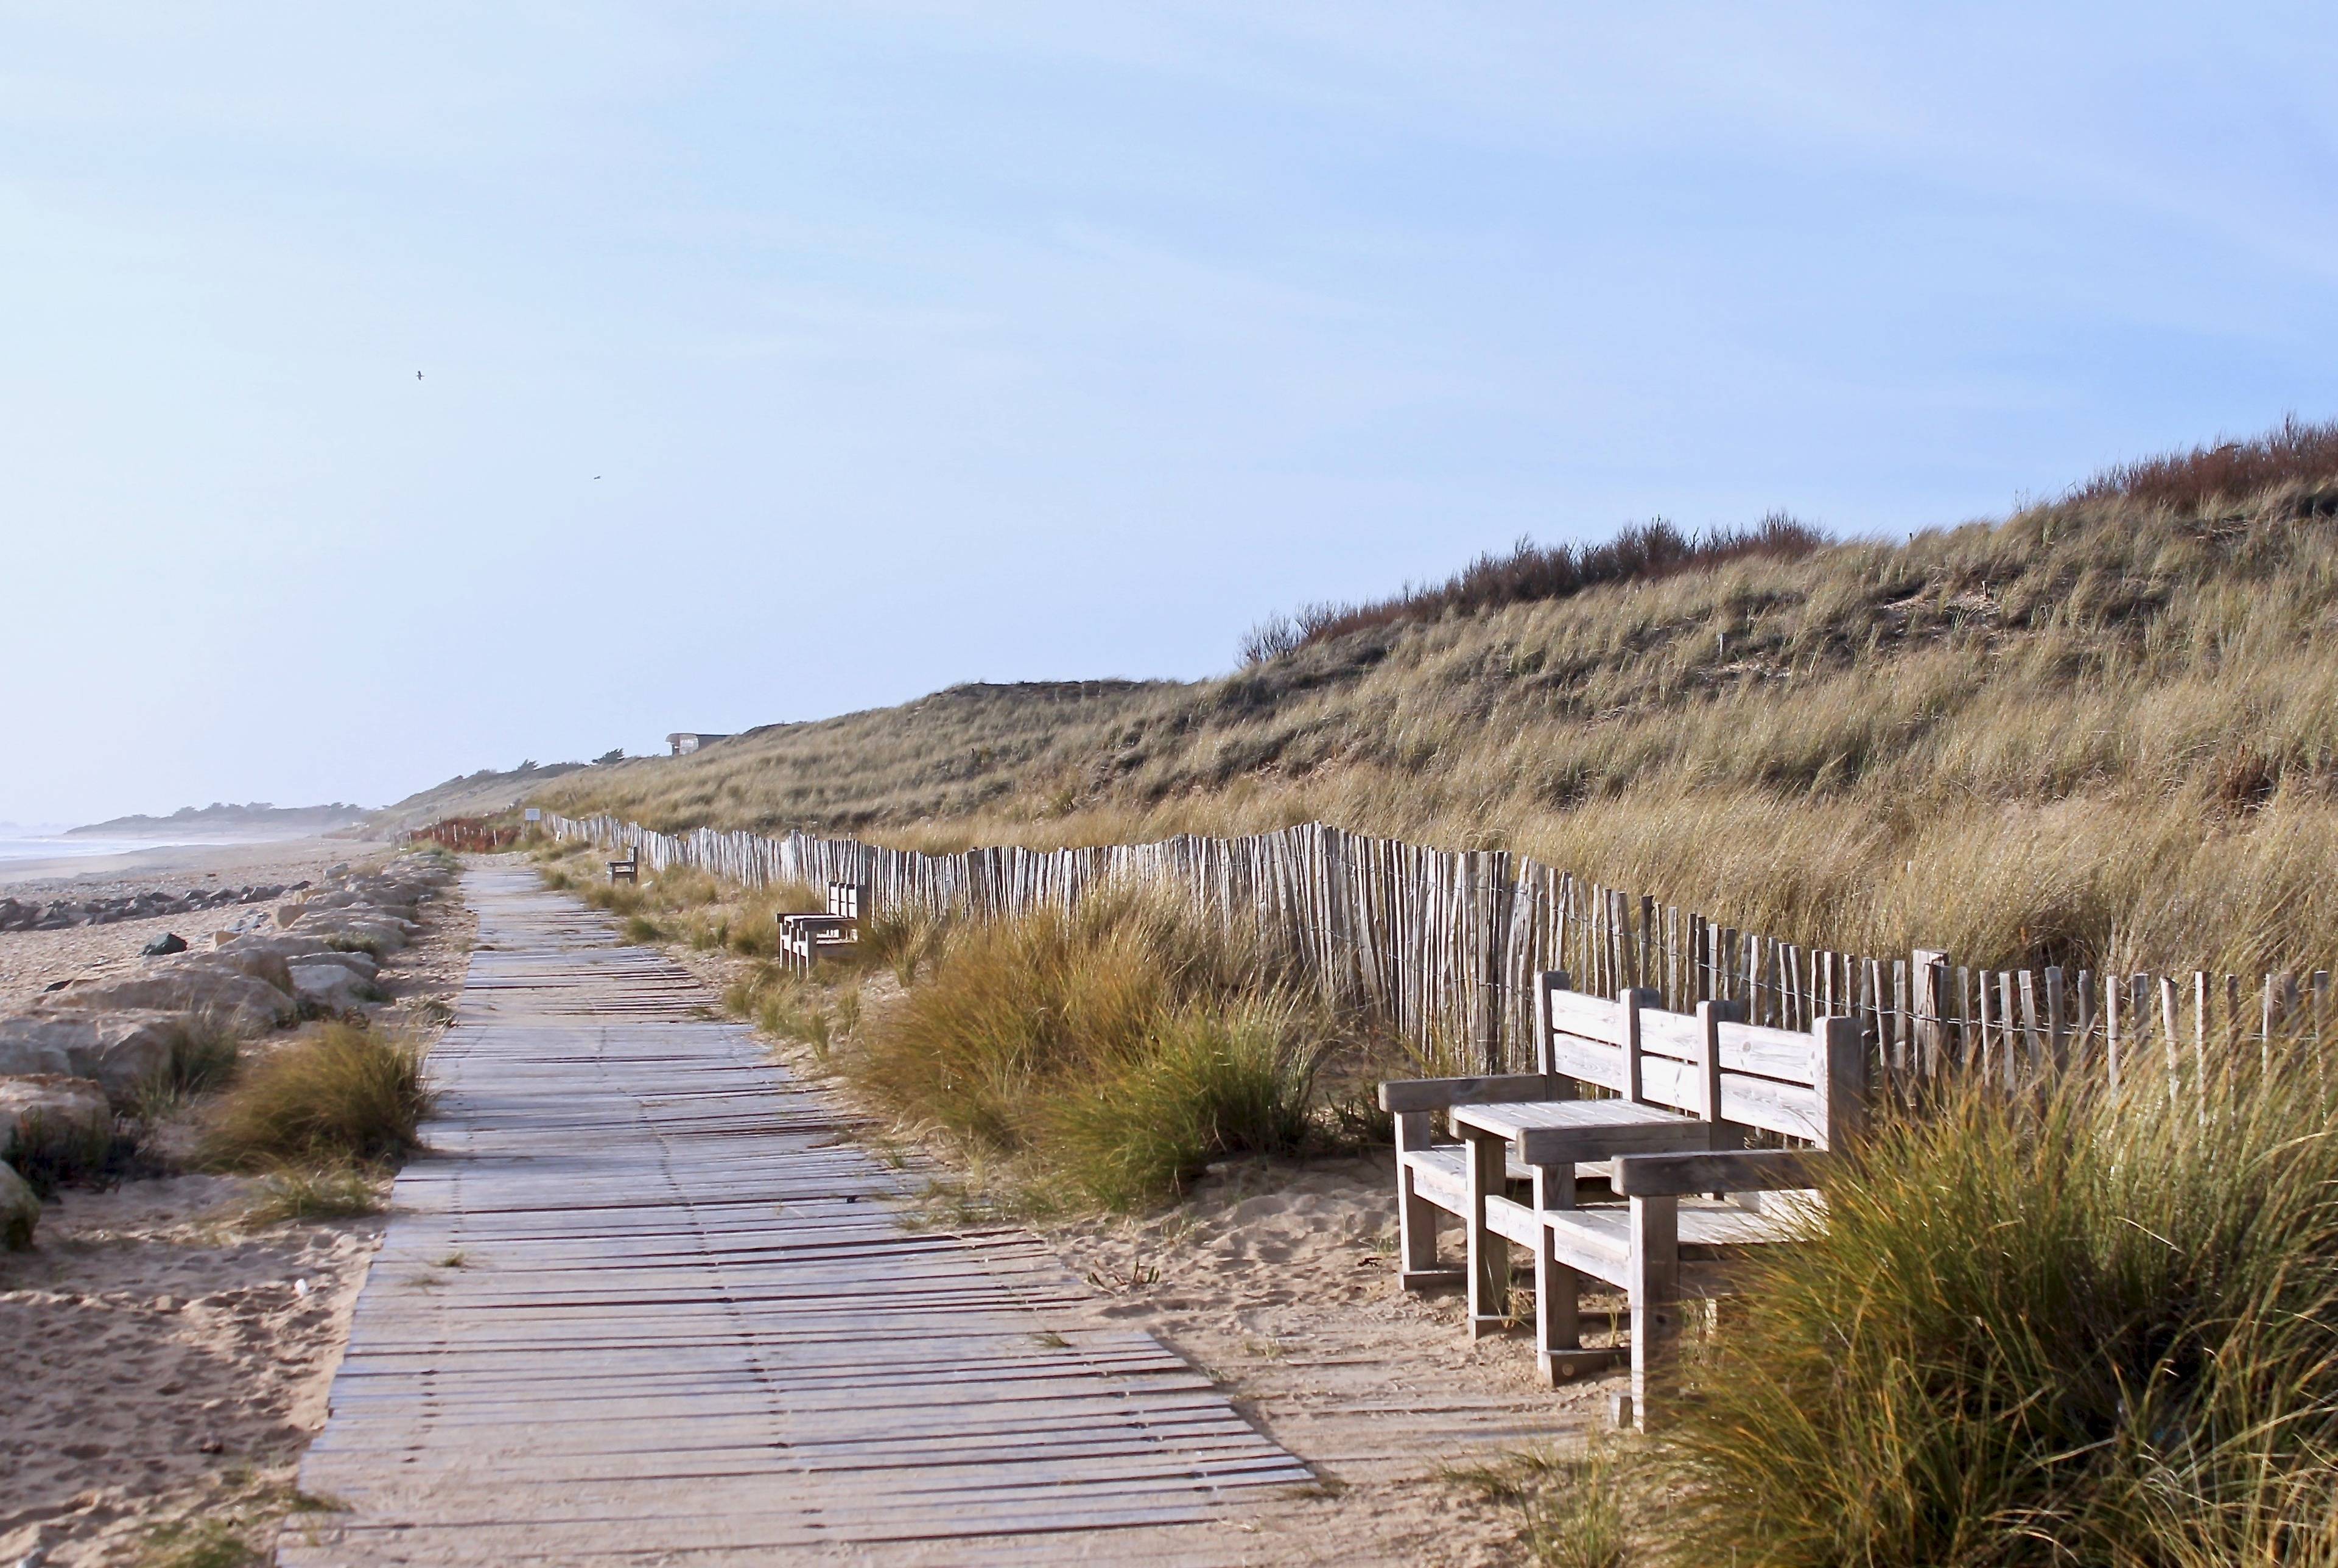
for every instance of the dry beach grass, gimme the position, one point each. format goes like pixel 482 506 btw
pixel 2102 733
pixel 2092 1326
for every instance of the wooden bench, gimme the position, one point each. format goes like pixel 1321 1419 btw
pixel 1434 1178
pixel 804 937
pixel 1687 1220
pixel 629 869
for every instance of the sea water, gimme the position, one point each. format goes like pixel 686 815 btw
pixel 14 850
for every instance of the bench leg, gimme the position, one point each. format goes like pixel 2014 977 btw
pixel 1490 1255
pixel 1416 1216
pixel 1655 1303
pixel 1559 1336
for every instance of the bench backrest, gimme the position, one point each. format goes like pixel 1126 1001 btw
pixel 1808 1084
pixel 847 899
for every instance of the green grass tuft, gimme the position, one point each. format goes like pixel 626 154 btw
pixel 2097 1328
pixel 1573 1508
pixel 320 1192
pixel 1200 1082
pixel 53 1154
pixel 200 1544
pixel 1118 1049
pixel 785 1005
pixel 203 1060
pixel 346 1094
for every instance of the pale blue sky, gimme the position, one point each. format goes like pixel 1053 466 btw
pixel 919 343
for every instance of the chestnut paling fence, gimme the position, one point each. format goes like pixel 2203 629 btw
pixel 1445 945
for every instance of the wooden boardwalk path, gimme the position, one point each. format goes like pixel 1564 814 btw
pixel 645 1302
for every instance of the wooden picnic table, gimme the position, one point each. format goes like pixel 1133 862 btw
pixel 1578 1131
pixel 1551 1137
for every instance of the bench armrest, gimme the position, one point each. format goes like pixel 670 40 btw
pixel 1736 1170
pixel 1439 1093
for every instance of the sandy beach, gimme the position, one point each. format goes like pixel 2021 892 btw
pixel 32 960
pixel 167 1355
pixel 167 1362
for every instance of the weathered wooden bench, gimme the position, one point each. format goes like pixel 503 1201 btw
pixel 629 869
pixel 1688 1218
pixel 804 937
pixel 1434 1178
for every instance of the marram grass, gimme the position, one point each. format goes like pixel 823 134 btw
pixel 1110 1052
pixel 2102 733
pixel 344 1094
pixel 2085 1328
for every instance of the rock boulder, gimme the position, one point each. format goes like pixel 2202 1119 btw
pixel 123 1051
pixel 236 1002
pixel 55 1104
pixel 387 936
pixel 331 986
pixel 257 962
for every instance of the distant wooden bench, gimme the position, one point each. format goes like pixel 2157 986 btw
pixel 804 937
pixel 1689 1218
pixel 629 869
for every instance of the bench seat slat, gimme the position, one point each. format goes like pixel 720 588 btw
pixel 1444 1169
pixel 1598 1241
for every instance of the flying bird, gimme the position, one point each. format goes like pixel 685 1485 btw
pixel 417 375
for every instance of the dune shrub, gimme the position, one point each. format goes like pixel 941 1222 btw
pixel 1533 573
pixel 202 1058
pixel 344 1094
pixel 50 1153
pixel 784 1002
pixel 314 1192
pixel 2096 1328
pixel 1115 1050
pixel 903 940
pixel 1199 1082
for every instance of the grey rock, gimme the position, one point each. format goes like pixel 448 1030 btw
pixel 332 987
pixel 123 1053
pixel 364 965
pixel 55 1101
pixel 257 962
pixel 294 949
pixel 236 1002
pixel 387 935
pixel 168 943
